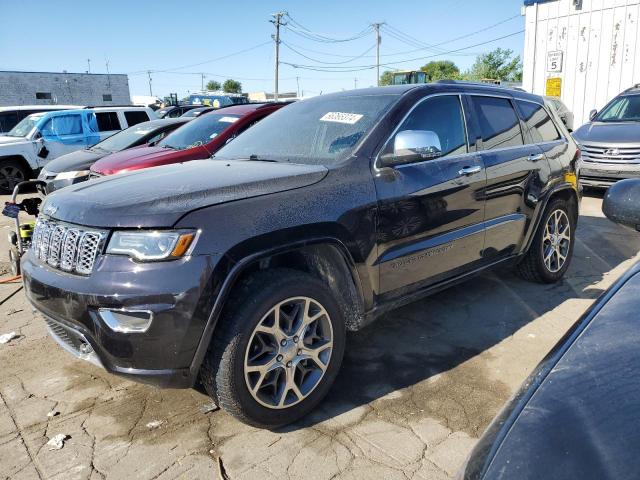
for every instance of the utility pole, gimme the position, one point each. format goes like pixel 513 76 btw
pixel 355 83
pixel 376 27
pixel 89 65
pixel 202 88
pixel 277 21
pixel 150 91
pixel 298 87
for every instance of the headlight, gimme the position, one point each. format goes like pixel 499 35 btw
pixel 73 174
pixel 151 245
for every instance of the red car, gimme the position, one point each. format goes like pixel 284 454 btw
pixel 198 139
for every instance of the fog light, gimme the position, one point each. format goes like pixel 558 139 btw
pixel 126 321
pixel 85 348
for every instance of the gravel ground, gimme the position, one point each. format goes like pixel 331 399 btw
pixel 416 390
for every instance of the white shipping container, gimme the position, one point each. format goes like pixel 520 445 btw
pixel 588 48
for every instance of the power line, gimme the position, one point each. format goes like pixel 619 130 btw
pixel 355 68
pixel 167 70
pixel 351 59
pixel 299 29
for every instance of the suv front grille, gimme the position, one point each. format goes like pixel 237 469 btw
pixel 66 247
pixel 612 155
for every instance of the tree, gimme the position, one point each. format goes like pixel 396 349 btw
pixel 386 78
pixel 232 86
pixel 441 70
pixel 213 86
pixel 496 65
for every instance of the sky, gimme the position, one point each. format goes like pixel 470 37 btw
pixel 180 41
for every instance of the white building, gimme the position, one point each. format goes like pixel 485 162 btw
pixel 584 51
pixel 51 88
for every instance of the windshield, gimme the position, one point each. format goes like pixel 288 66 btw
pixel 160 113
pixel 321 130
pixel 198 132
pixel 195 112
pixel 621 109
pixel 25 126
pixel 125 139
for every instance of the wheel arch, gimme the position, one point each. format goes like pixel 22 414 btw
pixel 327 258
pixel 22 160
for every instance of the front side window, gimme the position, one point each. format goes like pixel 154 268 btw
pixel 62 125
pixel 319 131
pixel 499 124
pixel 621 109
pixel 538 121
pixel 441 115
pixel 198 132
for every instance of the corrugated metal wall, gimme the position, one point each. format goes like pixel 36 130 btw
pixel 600 45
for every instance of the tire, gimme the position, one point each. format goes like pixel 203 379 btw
pixel 226 372
pixel 12 172
pixel 14 260
pixel 538 267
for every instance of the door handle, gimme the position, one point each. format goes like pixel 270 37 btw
pixel 466 171
pixel 536 157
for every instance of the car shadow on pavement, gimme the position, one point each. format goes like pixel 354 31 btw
pixel 430 358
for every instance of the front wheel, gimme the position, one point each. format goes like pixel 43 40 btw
pixel 277 350
pixel 551 250
pixel 12 173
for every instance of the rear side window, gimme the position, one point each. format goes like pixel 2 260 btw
pixel 108 121
pixel 499 124
pixel 538 122
pixel 135 117
pixel 443 116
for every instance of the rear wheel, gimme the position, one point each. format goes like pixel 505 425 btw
pixel 14 260
pixel 278 349
pixel 12 172
pixel 551 250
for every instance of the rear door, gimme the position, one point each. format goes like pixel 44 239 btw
pixel 430 212
pixel 516 169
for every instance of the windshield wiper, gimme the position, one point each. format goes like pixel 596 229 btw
pixel 255 158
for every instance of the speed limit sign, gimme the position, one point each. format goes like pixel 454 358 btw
pixel 554 61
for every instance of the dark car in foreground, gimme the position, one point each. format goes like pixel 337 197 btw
pixel 610 142
pixel 74 167
pixel 578 414
pixel 245 271
pixel 200 139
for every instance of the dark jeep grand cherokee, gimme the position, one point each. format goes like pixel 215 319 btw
pixel 245 271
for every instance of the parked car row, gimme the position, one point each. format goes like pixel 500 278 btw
pixel 41 137
pixel 245 270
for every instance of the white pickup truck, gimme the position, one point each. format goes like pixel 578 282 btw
pixel 42 137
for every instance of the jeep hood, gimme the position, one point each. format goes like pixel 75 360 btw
pixel 78 160
pixel 159 197
pixel 618 134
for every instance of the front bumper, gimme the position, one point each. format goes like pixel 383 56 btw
pixel 603 175
pixel 51 185
pixel 178 293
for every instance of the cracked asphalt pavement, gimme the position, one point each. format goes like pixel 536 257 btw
pixel 416 390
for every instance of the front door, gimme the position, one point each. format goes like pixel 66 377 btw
pixel 431 215
pixel 62 134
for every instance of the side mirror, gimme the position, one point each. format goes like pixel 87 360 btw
pixel 413 146
pixel 592 114
pixel 622 203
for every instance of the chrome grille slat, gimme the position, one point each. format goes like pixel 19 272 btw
pixel 595 154
pixel 69 248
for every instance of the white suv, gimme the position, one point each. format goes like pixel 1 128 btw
pixel 44 136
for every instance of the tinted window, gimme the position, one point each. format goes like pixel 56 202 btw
pixel 538 121
pixel 8 120
pixel 135 117
pixel 107 121
pixel 443 116
pixel 499 124
pixel 107 97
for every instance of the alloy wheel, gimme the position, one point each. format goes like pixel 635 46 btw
pixel 9 177
pixel 288 352
pixel 556 241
